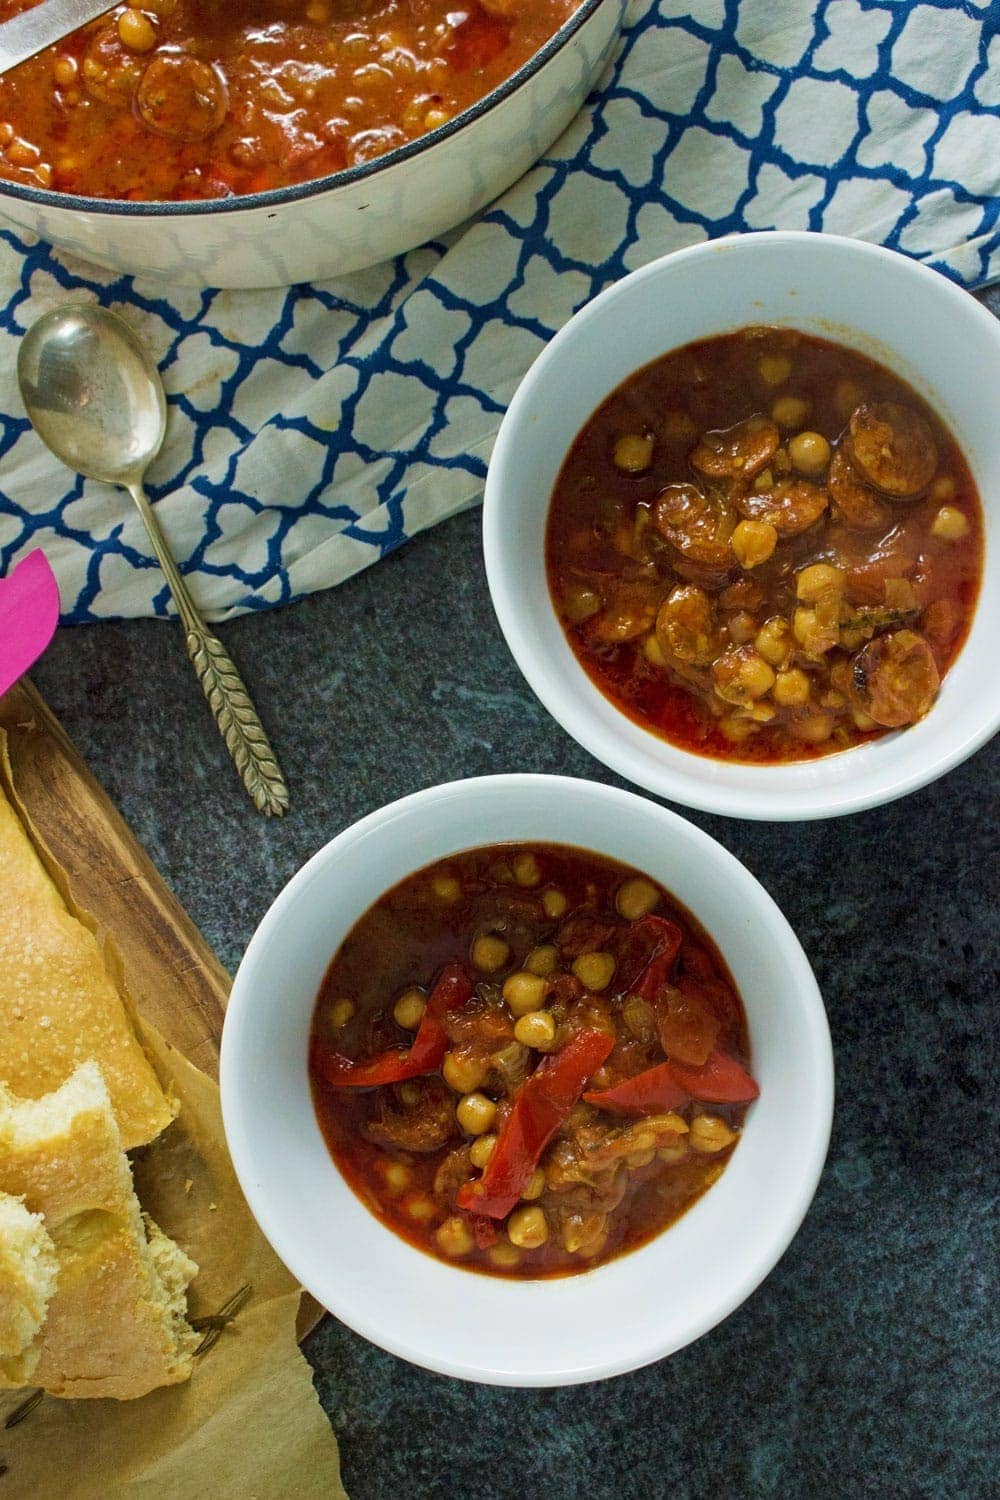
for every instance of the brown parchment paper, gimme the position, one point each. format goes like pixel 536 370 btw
pixel 248 1424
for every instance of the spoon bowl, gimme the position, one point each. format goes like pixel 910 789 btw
pixel 92 393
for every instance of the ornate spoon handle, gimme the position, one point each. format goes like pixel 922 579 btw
pixel 231 706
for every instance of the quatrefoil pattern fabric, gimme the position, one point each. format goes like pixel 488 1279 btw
pixel 314 429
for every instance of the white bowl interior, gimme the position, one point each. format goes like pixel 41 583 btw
pixel 460 1323
pixel 910 319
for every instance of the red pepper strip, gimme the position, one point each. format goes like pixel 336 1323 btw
pixel 643 1094
pixel 661 960
pixel 539 1109
pixel 452 990
pixel 720 1081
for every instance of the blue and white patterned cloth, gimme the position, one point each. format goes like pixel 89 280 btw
pixel 312 430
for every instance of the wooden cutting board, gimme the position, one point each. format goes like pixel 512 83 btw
pixel 175 978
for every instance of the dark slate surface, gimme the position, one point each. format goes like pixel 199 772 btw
pixel 864 1362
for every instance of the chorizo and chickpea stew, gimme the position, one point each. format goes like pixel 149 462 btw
pixel 186 99
pixel 765 547
pixel 527 1059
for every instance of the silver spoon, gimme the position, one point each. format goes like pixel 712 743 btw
pixel 94 396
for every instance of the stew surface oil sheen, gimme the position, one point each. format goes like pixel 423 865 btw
pixel 765 547
pixel 527 1059
pixel 186 99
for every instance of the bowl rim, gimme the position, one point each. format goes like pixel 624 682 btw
pixel 757 802
pixel 285 1237
pixel 295 192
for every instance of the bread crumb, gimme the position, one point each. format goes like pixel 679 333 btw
pixel 188 1184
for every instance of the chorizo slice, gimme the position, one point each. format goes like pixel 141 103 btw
pixel 181 97
pixel 855 502
pixel 686 630
pixel 697 526
pixel 737 452
pixel 893 447
pixel 894 679
pixel 791 505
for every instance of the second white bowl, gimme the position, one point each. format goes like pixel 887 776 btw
pixel 630 1310
pixel 907 317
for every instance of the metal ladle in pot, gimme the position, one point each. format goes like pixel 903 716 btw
pixel 95 398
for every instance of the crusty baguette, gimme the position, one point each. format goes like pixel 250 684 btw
pixel 58 1004
pixel 116 1324
pixel 27 1281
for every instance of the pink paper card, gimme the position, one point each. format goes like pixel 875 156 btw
pixel 29 613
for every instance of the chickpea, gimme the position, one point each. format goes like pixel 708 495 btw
pixel 756 677
pixel 580 1231
pixel 341 1012
pixel 524 992
pixel 653 652
pixel 554 903
pixel 64 71
pixel 943 489
pixel 636 898
pixel 490 953
pixel 475 1113
pixel 408 1010
pixel 579 603
pixel 136 31
pixel 670 1124
pixel 543 960
pixel 742 627
pixel 422 1209
pixel 791 688
pixel 709 1133
pixel 774 641
pixel 535 1186
pixel 639 1018
pixel 526 871
pixel 950 524
pixel 397 1176
pixel 537 1029
pixel 679 427
pixel 753 542
pixel 454 1236
pixel 462 1073
pixel 43 174
pixel 435 117
pixel 633 453
pixel 446 888
pixel 813 582
pixel 640 1158
pixel 527 1228
pixel 790 412
pixel 847 395
pixel 809 452
pixel 481 1150
pixel 814 728
pixel 504 1256
pixel 673 1151
pixel 774 369
pixel 594 970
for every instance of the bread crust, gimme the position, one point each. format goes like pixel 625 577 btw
pixel 59 1006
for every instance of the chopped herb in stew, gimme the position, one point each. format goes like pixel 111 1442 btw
pixel 765 547
pixel 181 99
pixel 527 1059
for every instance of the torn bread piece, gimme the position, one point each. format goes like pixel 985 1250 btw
pixel 116 1325
pixel 28 1270
pixel 58 1004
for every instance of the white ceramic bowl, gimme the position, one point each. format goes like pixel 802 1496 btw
pixel 354 218
pixel 478 1327
pixel 929 331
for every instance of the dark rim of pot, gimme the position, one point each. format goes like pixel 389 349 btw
pixel 115 207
